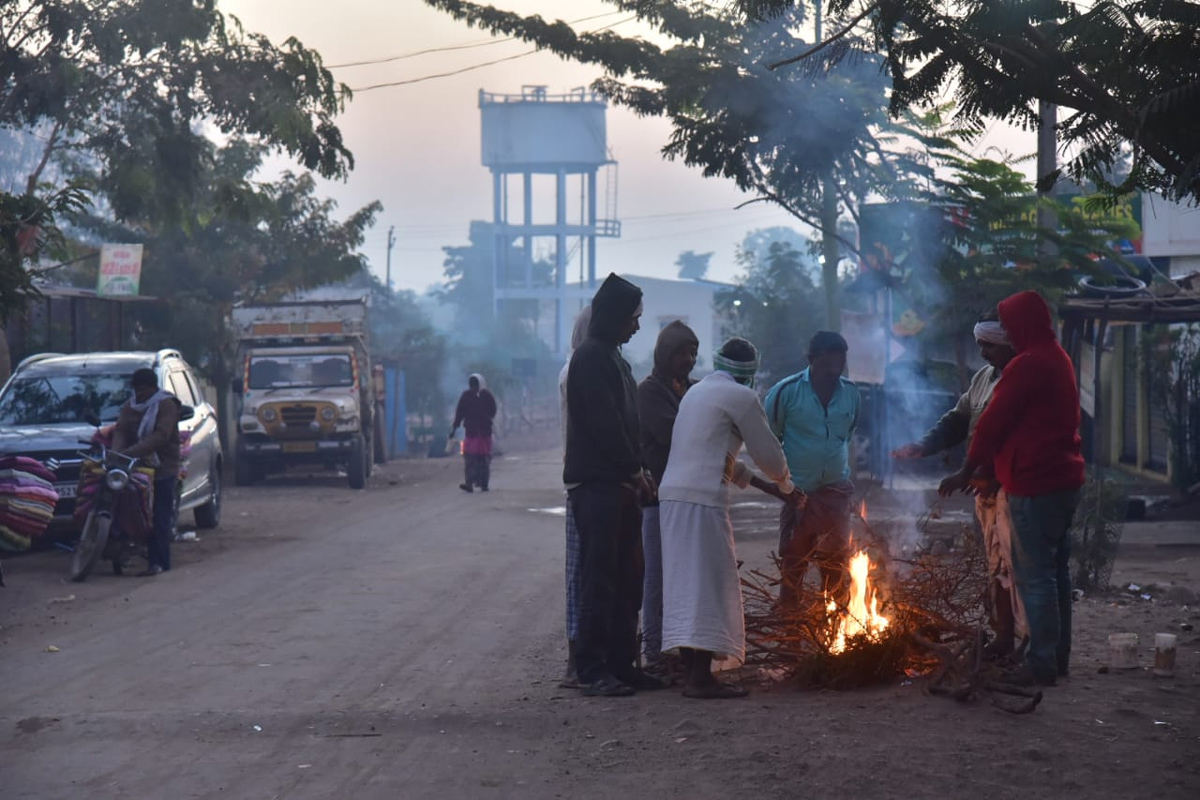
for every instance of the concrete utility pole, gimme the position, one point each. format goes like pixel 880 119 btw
pixel 830 249
pixel 390 243
pixel 1047 162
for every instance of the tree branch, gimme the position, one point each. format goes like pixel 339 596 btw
pixel 819 47
pixel 771 197
pixel 51 141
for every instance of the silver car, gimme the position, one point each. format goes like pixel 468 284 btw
pixel 45 405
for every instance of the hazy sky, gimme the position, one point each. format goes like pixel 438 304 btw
pixel 417 147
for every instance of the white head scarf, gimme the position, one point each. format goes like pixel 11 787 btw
pixel 991 332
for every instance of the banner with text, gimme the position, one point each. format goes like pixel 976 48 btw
pixel 120 270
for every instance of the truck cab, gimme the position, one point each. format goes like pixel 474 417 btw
pixel 305 391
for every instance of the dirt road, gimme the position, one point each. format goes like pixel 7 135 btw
pixel 405 643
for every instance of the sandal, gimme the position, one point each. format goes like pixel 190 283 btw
pixel 715 691
pixel 608 686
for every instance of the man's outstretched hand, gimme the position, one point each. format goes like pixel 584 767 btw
pixel 797 498
pixel 908 452
pixel 958 482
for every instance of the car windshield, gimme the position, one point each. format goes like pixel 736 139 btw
pixel 301 371
pixel 63 398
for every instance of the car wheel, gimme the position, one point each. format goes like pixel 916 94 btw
pixel 208 516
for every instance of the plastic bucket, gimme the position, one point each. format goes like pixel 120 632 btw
pixel 1123 651
pixel 1164 654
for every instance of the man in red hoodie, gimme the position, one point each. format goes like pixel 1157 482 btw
pixel 1030 433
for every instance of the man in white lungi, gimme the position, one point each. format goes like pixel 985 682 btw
pixel 702 596
pixel 991 505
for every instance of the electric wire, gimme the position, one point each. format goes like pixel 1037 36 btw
pixel 453 47
pixel 460 71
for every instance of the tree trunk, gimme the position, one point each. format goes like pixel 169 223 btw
pixel 831 253
pixel 221 385
pixel 5 356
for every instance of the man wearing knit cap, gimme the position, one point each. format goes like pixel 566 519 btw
pixel 703 617
pixel 814 413
pixel 658 403
pixel 606 483
pixel 1030 433
pixel 991 505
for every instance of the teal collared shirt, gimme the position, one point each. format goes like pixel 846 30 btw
pixel 816 438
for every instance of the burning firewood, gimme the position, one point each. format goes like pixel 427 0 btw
pixel 921 617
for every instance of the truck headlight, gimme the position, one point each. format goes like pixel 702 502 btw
pixel 269 415
pixel 117 479
pixel 328 414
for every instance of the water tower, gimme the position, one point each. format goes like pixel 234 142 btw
pixel 535 136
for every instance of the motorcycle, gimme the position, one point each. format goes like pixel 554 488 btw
pixel 112 487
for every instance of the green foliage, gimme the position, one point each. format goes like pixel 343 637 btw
pixel 29 230
pixel 975 236
pixel 1174 361
pixel 117 90
pixel 402 334
pixel 776 306
pixel 693 266
pixel 1096 532
pixel 242 240
pixel 1129 68
pixel 758 243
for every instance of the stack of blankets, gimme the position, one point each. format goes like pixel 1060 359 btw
pixel 27 501
pixel 134 518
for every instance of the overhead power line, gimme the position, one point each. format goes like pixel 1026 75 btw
pixel 473 67
pixel 454 47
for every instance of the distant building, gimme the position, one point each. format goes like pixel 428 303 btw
pixel 1171 235
pixel 665 300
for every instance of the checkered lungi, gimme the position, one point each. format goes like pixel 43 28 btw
pixel 573 596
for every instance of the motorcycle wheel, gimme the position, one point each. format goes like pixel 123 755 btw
pixel 91 545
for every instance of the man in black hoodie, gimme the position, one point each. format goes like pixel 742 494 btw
pixel 606 482
pixel 658 404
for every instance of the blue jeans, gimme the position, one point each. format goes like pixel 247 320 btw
pixel 158 549
pixel 652 585
pixel 1041 565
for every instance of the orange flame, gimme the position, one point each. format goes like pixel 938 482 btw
pixel 861 617
pixel 862 510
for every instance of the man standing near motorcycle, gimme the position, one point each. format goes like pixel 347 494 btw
pixel 148 428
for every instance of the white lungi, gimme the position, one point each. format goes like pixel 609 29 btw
pixel 702 592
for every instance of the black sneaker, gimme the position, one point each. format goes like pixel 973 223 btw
pixel 466 487
pixel 150 571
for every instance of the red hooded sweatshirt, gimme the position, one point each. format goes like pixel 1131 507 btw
pixel 1030 429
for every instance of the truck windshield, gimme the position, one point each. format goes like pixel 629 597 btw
pixel 300 371
pixel 63 398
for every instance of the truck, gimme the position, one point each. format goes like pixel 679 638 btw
pixel 304 391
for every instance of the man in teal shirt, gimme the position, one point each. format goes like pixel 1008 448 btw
pixel 814 414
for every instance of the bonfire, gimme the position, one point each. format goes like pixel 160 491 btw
pixel 913 617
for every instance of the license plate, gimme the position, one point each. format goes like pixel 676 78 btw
pixel 299 447
pixel 65 490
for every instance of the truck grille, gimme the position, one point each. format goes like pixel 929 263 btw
pixel 298 415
